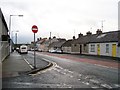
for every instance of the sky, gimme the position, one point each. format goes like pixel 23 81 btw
pixel 63 18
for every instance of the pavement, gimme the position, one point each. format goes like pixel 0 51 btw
pixel 15 64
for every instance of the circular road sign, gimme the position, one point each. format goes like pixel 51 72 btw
pixel 34 29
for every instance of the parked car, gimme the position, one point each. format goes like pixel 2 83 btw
pixel 23 49
pixel 17 49
pixel 55 51
pixel 40 50
pixel 52 51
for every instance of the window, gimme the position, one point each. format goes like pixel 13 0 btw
pixel 85 47
pixel 75 45
pixel 107 48
pixel 4 37
pixel 92 48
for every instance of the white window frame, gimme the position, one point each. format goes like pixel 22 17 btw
pixel 107 48
pixel 92 49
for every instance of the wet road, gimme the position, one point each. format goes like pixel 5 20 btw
pixel 65 73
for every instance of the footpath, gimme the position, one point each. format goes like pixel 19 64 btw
pixel 15 64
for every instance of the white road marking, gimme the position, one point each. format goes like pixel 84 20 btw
pixel 66 70
pixel 80 75
pixel 79 79
pixel 104 66
pixel 106 86
pixel 86 83
pixel 58 70
pixel 28 63
pixel 117 85
pixel 71 76
pixel 64 73
pixel 59 67
pixel 94 81
pixel 95 87
pixel 70 71
pixel 46 59
pixel 86 77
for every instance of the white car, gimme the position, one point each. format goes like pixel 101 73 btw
pixel 55 51
pixel 52 51
pixel 23 49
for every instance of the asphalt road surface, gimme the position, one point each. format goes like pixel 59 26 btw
pixel 65 73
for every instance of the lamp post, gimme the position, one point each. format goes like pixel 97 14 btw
pixel 10 29
pixel 16 37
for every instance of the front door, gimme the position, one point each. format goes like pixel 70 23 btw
pixel 80 49
pixel 98 49
pixel 114 50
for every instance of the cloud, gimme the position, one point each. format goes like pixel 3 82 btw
pixel 60 16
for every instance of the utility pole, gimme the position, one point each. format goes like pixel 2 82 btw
pixel 16 37
pixel 102 24
pixel 50 34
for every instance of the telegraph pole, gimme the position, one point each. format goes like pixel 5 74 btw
pixel 102 24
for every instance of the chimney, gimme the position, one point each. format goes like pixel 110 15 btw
pixel 80 35
pixel 49 38
pixel 38 39
pixel 54 37
pixel 89 33
pixel 73 37
pixel 98 32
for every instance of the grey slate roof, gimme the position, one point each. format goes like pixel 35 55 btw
pixel 58 44
pixel 94 38
pixel 67 43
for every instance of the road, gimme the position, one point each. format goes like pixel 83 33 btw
pixel 65 73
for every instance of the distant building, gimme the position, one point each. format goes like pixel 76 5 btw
pixel 66 47
pixel 40 44
pixel 57 45
pixel 4 38
pixel 44 43
pixel 105 44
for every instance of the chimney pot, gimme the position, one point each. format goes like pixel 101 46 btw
pixel 98 32
pixel 89 33
pixel 73 37
pixel 80 35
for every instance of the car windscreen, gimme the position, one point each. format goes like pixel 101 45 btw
pixel 23 48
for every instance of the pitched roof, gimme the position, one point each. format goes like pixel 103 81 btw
pixel 95 38
pixel 58 44
pixel 41 41
pixel 68 43
pixel 106 37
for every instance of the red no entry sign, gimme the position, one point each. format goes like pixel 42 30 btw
pixel 34 29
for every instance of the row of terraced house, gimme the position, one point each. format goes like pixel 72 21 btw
pixel 104 44
pixel 101 44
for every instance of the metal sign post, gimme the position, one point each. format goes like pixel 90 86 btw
pixel 34 54
pixel 34 30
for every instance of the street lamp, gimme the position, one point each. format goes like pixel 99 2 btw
pixel 16 37
pixel 10 22
pixel 10 29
